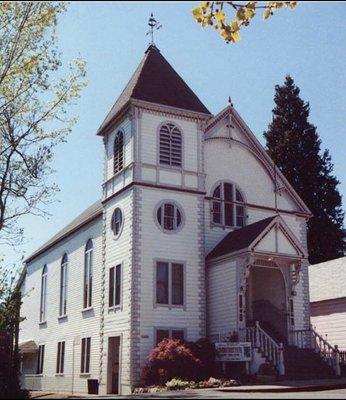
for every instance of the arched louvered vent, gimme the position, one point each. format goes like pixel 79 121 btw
pixel 170 145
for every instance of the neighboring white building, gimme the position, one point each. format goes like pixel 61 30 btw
pixel 195 235
pixel 328 300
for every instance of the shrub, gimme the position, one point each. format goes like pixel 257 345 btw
pixel 206 353
pixel 170 359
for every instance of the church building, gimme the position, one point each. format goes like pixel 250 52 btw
pixel 196 234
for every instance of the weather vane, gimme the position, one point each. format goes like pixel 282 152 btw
pixel 154 26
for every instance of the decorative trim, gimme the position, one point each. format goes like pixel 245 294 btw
pixel 202 278
pixel 135 290
pixel 102 297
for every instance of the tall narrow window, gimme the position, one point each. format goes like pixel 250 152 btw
pixel 227 206
pixel 85 356
pixel 88 274
pixel 63 286
pixel 114 286
pixel 169 283
pixel 60 359
pixel 170 145
pixel 43 302
pixel 40 359
pixel 118 152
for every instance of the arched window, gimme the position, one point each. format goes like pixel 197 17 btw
pixel 63 286
pixel 228 206
pixel 170 145
pixel 169 216
pixel 117 221
pixel 118 152
pixel 43 303
pixel 88 274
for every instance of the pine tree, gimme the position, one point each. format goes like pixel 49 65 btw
pixel 294 145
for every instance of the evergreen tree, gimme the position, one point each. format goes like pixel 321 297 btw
pixel 294 145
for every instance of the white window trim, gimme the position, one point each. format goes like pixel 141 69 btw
pixel 176 206
pixel 169 166
pixel 169 305
pixel 88 265
pixel 116 237
pixel 43 297
pixel 63 287
pixel 120 131
pixel 85 358
pixel 119 306
pixel 222 202
pixel 60 364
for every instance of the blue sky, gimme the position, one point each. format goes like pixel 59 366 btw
pixel 309 43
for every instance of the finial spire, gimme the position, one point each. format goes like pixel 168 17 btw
pixel 230 101
pixel 154 25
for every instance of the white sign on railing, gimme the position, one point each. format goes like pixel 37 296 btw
pixel 232 351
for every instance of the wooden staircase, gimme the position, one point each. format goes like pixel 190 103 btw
pixel 308 357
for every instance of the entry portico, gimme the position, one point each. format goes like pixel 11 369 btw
pixel 266 260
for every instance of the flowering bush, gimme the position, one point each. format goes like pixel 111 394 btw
pixel 170 359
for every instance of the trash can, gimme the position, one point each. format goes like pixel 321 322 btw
pixel 93 386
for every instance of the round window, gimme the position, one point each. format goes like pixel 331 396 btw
pixel 169 217
pixel 117 221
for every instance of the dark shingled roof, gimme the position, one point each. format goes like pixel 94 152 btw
pixel 156 81
pixel 239 239
pixel 86 216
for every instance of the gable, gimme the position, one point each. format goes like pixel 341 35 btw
pixel 229 130
pixel 275 241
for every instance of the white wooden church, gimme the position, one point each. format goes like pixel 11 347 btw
pixel 196 235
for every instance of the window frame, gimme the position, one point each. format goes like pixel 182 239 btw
pixel 60 358
pixel 118 153
pixel 40 359
pixel 177 207
pixel 117 235
pixel 115 306
pixel 63 286
pixel 170 165
pixel 170 330
pixel 85 357
pixel 222 202
pixel 88 274
pixel 170 304
pixel 43 296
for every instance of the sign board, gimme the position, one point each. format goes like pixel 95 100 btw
pixel 233 351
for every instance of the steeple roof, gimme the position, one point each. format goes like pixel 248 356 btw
pixel 156 81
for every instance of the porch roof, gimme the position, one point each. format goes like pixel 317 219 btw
pixel 240 238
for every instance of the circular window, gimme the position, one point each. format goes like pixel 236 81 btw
pixel 117 221
pixel 169 216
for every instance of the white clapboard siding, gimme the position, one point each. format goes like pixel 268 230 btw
pixel 182 246
pixel 222 303
pixel 77 324
pixel 329 319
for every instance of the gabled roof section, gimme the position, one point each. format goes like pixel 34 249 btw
pixel 269 235
pixel 259 151
pixel 156 81
pixel 88 215
pixel 239 239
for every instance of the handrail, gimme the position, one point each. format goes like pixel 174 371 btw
pixel 269 348
pixel 310 339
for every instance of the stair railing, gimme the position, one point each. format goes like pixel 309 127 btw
pixel 267 345
pixel 310 339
